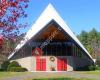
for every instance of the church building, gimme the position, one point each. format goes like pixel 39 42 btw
pixel 50 45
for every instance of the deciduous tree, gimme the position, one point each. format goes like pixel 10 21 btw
pixel 10 13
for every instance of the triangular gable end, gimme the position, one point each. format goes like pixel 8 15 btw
pixel 49 14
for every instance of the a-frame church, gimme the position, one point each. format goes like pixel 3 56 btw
pixel 50 45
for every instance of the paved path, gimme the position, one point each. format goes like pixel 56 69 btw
pixel 33 75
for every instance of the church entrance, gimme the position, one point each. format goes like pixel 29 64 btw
pixel 62 64
pixel 40 64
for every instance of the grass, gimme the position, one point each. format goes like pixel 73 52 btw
pixel 63 79
pixel 97 72
pixel 50 77
pixel 10 74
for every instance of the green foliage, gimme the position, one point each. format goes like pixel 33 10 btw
pixel 92 67
pixel 14 64
pixel 93 35
pixel 63 79
pixel 91 40
pixel 86 68
pixel 17 69
pixel 97 62
pixel 56 79
pixel 83 37
pixel 1 70
pixel 4 66
pixel 97 68
pixel 89 48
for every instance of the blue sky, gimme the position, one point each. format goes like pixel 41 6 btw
pixel 78 14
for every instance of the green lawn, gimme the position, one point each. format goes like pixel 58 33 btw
pixel 91 72
pixel 63 79
pixel 52 77
pixel 9 74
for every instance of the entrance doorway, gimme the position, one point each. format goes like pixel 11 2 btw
pixel 61 64
pixel 40 64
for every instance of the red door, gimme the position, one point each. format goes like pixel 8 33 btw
pixel 40 64
pixel 62 64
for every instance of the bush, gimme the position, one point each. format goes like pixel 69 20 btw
pixel 14 64
pixel 1 70
pixel 92 67
pixel 4 66
pixel 97 68
pixel 86 68
pixel 17 69
pixel 98 62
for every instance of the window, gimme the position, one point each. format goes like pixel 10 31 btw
pixel 58 49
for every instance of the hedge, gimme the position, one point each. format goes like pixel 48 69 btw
pixel 17 69
pixel 14 64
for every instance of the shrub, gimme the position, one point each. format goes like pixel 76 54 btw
pixel 98 62
pixel 92 67
pixel 86 68
pixel 13 64
pixel 1 70
pixel 4 66
pixel 17 69
pixel 97 67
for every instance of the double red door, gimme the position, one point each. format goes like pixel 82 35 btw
pixel 40 64
pixel 62 64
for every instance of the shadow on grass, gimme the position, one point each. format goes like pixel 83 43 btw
pixel 62 79
pixel 57 79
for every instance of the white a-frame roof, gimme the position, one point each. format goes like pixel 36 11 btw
pixel 48 15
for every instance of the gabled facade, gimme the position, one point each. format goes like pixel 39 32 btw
pixel 50 45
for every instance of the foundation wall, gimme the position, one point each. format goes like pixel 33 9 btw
pixel 72 62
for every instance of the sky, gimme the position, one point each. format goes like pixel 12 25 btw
pixel 79 15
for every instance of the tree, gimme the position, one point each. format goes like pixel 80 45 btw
pixel 10 12
pixel 94 41
pixel 91 40
pixel 8 47
pixel 84 37
pixel 93 36
pixel 1 41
